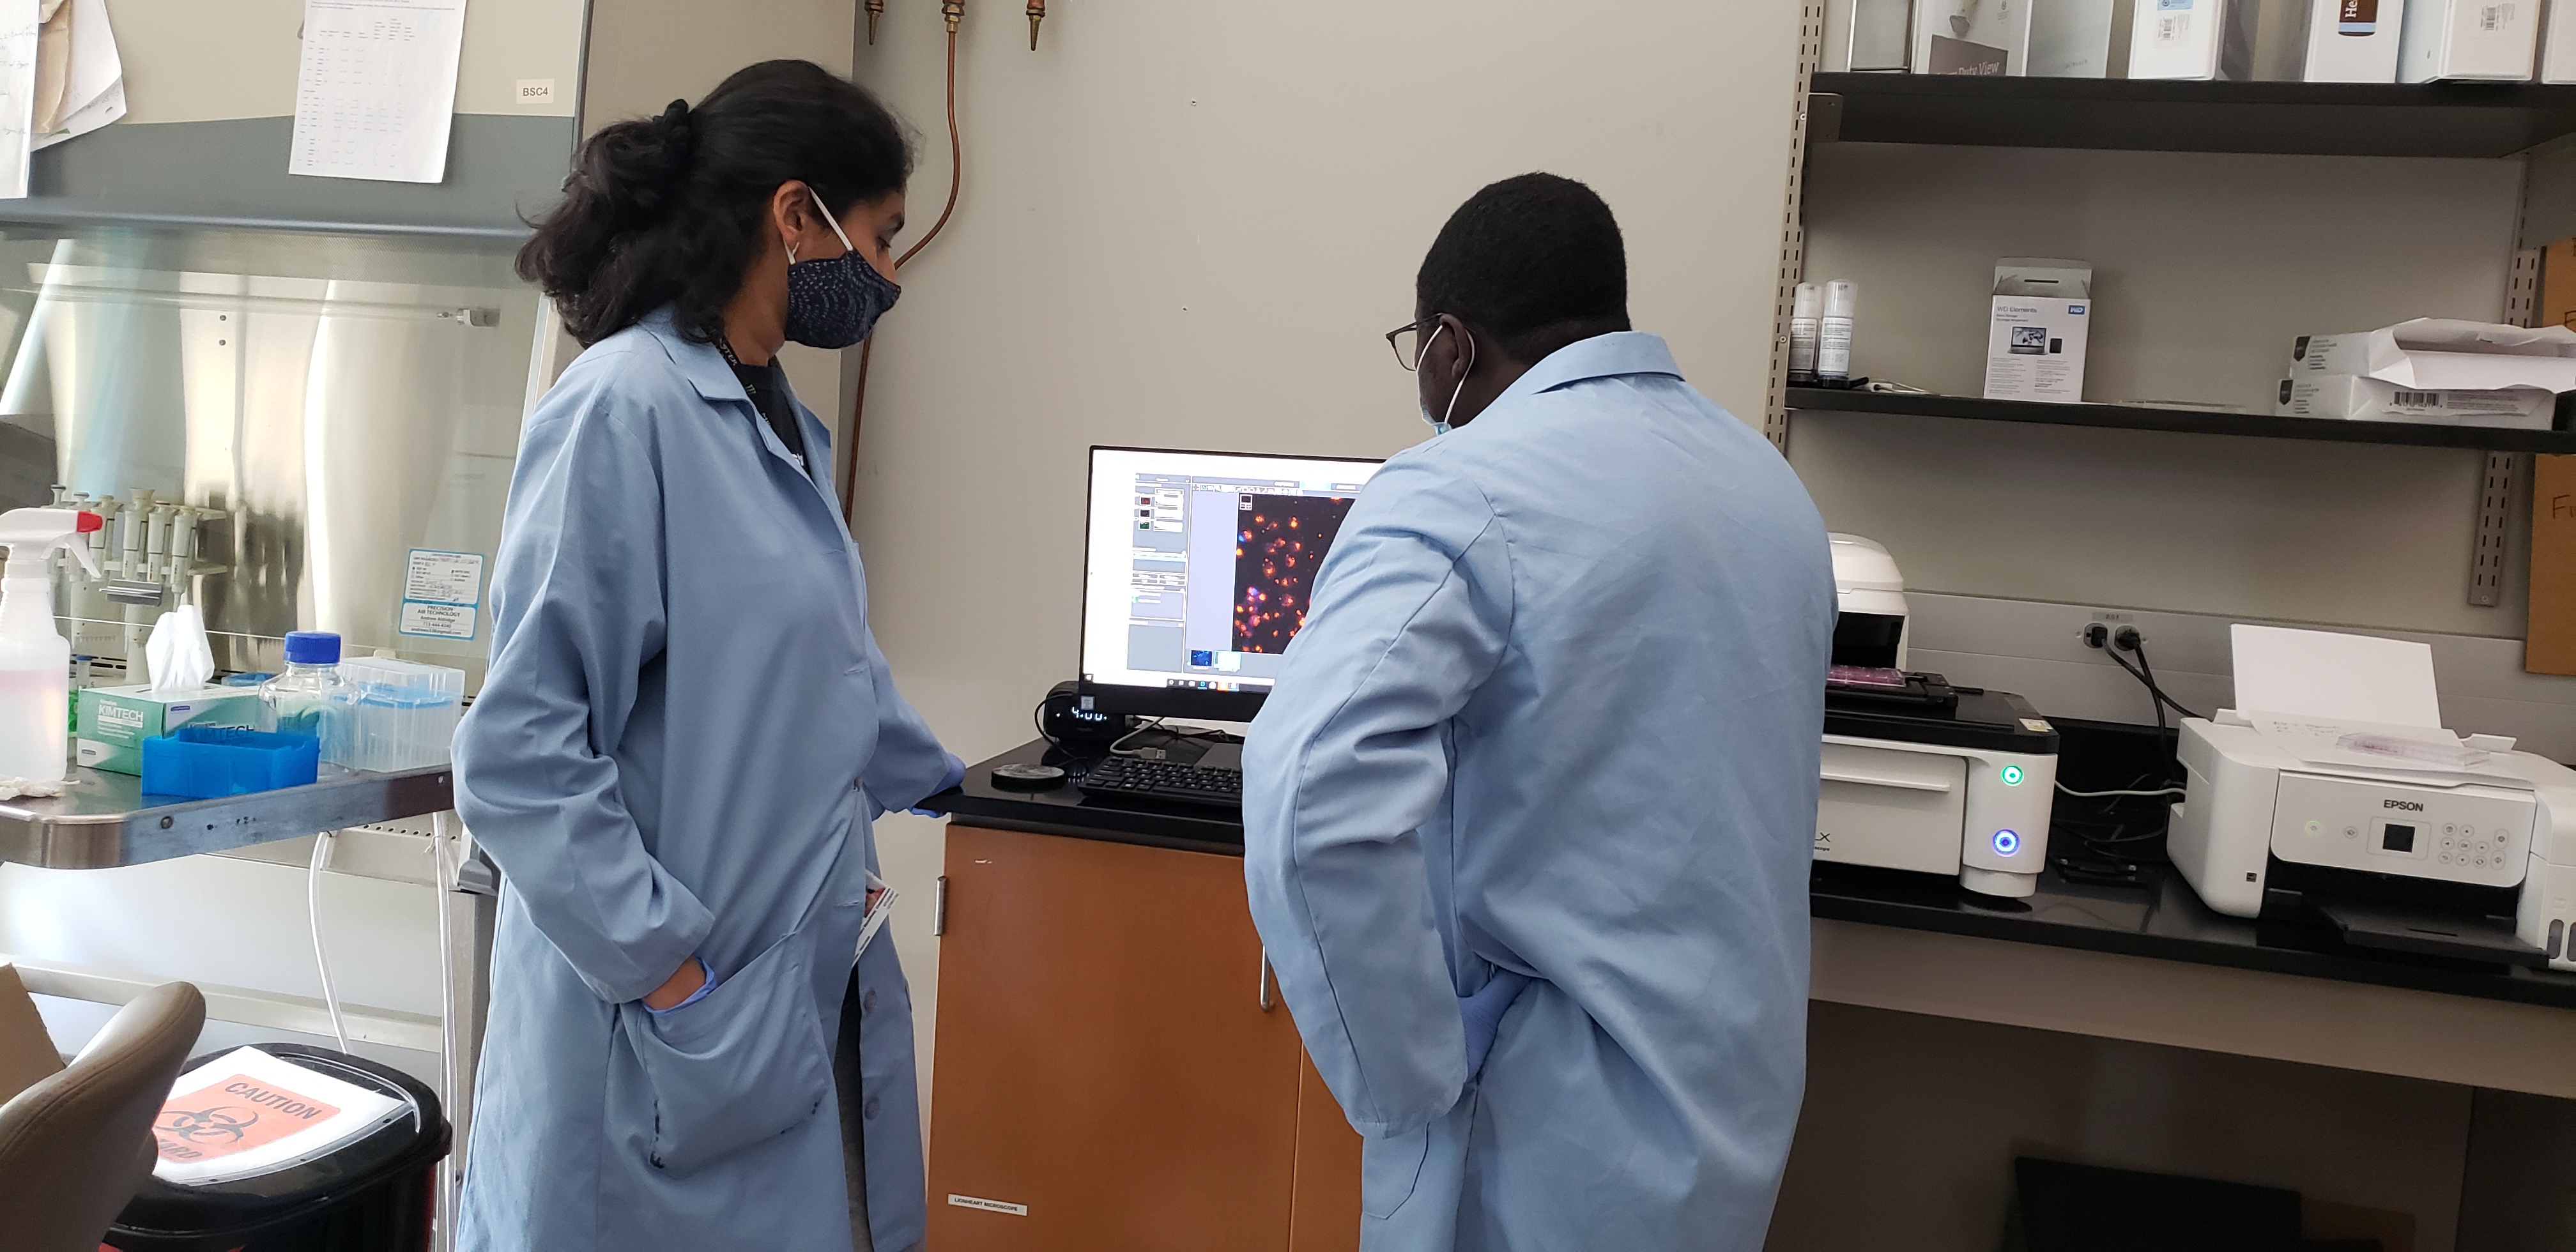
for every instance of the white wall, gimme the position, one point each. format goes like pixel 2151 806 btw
pixel 1186 223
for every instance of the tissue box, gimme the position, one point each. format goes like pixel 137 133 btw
pixel 114 721
pixel 2376 400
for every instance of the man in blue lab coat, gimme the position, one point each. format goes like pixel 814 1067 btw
pixel 1528 815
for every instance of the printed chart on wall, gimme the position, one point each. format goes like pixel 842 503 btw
pixel 442 594
pixel 376 89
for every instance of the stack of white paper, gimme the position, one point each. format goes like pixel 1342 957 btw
pixel 247 1113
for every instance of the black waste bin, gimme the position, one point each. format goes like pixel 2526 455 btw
pixel 374 1194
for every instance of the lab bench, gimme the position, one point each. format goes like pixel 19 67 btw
pixel 1093 991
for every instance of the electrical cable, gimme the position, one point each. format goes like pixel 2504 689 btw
pixel 2063 789
pixel 849 450
pixel 2139 646
pixel 313 918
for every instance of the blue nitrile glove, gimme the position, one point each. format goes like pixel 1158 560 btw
pixel 956 775
pixel 701 993
pixel 1482 1014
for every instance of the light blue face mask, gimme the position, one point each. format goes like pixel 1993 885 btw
pixel 1440 424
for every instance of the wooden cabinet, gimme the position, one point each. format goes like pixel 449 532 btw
pixel 1107 1074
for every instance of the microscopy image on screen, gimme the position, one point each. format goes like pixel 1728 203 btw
pixel 1279 545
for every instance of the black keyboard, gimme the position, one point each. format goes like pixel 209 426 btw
pixel 1126 778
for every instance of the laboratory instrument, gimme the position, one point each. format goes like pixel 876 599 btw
pixel 35 659
pixel 1917 774
pixel 1196 574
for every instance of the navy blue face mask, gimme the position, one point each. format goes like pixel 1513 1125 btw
pixel 833 302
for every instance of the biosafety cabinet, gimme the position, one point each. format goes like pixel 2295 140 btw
pixel 297 402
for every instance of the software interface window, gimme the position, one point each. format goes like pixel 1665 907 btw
pixel 1220 561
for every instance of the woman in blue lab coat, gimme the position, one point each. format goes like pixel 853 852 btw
pixel 687 725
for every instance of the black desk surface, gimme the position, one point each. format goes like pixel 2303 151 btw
pixel 2163 919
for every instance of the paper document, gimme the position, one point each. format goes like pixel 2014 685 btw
pixel 18 22
pixel 2334 677
pixel 2419 754
pixel 376 91
pixel 247 1113
pixel 880 903
pixel 93 91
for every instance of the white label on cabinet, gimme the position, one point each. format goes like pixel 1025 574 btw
pixel 989 1206
pixel 536 92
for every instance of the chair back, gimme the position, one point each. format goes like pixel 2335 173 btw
pixel 76 1145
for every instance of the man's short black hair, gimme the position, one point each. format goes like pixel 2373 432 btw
pixel 1535 261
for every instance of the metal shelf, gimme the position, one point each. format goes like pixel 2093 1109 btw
pixel 104 819
pixel 2329 119
pixel 2183 421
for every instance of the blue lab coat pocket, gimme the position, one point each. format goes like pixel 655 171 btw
pixel 745 1064
pixel 1389 1170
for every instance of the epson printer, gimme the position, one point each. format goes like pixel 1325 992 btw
pixel 2405 838
pixel 1919 775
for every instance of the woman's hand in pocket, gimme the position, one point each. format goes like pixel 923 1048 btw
pixel 676 990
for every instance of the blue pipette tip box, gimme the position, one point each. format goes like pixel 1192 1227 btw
pixel 205 762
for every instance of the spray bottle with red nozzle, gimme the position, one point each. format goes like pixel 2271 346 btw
pixel 35 660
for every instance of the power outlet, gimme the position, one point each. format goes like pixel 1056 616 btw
pixel 2105 623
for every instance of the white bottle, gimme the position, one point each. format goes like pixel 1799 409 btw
pixel 1802 335
pixel 35 660
pixel 1834 332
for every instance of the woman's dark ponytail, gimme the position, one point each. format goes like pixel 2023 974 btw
pixel 669 210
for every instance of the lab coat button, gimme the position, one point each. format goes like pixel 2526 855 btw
pixel 868 1003
pixel 868 1111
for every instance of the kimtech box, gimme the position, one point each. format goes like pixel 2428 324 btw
pixel 114 721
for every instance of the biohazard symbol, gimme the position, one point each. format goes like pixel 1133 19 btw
pixel 215 1125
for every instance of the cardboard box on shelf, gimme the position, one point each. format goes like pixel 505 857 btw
pixel 2351 397
pixel 2080 38
pixel 2192 39
pixel 2550 640
pixel 2494 40
pixel 2036 330
pixel 1986 38
pixel 2353 41
pixel 2444 354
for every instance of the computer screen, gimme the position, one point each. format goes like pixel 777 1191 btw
pixel 1197 574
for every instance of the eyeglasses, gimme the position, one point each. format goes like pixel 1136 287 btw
pixel 1407 341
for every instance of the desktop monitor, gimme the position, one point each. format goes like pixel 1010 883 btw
pixel 1196 574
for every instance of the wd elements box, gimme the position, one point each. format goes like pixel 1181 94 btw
pixel 2355 398
pixel 114 721
pixel 2043 311
pixel 2353 41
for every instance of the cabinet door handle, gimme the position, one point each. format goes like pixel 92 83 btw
pixel 1266 1002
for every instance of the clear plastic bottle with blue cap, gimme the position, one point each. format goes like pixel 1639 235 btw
pixel 304 699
